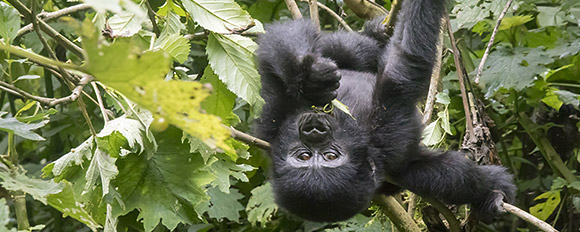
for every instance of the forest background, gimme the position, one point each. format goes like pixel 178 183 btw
pixel 122 115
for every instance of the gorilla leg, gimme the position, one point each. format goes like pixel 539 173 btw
pixel 451 177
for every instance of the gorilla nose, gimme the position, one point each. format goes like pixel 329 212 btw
pixel 314 127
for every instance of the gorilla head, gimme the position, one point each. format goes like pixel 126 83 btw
pixel 322 169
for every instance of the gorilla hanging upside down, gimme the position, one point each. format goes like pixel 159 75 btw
pixel 328 167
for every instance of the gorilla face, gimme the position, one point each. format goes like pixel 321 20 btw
pixel 321 171
pixel 318 147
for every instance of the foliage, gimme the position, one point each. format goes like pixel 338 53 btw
pixel 146 145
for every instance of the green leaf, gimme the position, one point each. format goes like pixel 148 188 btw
pixel 67 203
pixel 175 45
pixel 221 101
pixel 232 59
pixel 223 205
pixel 120 132
pixel 363 224
pixel 261 206
pixel 168 7
pixel 37 188
pixel 515 68
pixel 224 169
pixel 9 22
pixel 139 76
pixel 468 13
pixel 550 16
pixel 173 23
pixel 443 98
pixel 551 99
pixel 575 185
pixel 5 216
pixel 164 188
pixel 220 16
pixel 576 202
pixel 342 107
pixel 102 167
pixel 27 77
pixel 514 21
pixel 125 24
pixel 569 97
pixel 433 133
pixel 544 209
pixel 23 130
pixel 117 6
pixel 75 157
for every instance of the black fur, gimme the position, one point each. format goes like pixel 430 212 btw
pixel 381 80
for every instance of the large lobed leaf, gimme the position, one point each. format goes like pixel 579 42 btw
pixel 515 68
pixel 164 188
pixel 232 59
pixel 220 16
pixel 139 77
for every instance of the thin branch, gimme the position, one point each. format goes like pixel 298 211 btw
pixel 461 76
pixel 542 225
pixel 454 225
pixel 293 8
pixel 50 102
pixel 151 15
pixel 313 7
pixel 397 214
pixel 47 29
pixel 38 58
pixel 365 8
pixel 392 17
pixel 236 134
pixel 101 104
pixel 491 39
pixel 434 83
pixel 45 16
pixel 335 15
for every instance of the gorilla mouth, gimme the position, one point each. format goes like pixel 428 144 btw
pixel 314 128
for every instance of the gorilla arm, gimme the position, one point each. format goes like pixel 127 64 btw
pixel 294 75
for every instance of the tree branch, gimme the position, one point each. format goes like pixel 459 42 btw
pixel 50 102
pixel 491 39
pixel 542 225
pixel 366 9
pixel 47 29
pixel 236 134
pixel 151 15
pixel 397 214
pixel 45 16
pixel 335 15
pixel 461 76
pixel 313 7
pixel 38 58
pixel 291 4
pixel 392 17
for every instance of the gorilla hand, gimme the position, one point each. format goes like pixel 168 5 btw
pixel 322 81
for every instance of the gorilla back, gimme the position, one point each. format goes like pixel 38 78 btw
pixel 327 167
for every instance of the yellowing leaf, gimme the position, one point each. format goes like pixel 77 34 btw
pixel 544 210
pixel 140 77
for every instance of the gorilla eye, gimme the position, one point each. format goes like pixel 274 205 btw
pixel 304 156
pixel 330 156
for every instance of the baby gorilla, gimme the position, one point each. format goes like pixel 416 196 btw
pixel 327 167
